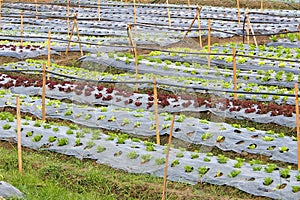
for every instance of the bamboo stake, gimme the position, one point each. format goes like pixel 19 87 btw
pixel 189 4
pixel 71 35
pixel 252 32
pixel 78 36
pixel 167 159
pixel 36 9
pixel 199 27
pixel 297 122
pixel 0 14
pixel 99 13
pixel 49 54
pixel 248 26
pixel 234 73
pixel 68 16
pixel 191 25
pixel 136 66
pixel 44 94
pixel 208 43
pixel 134 14
pixel 21 27
pixel 129 35
pixel 239 12
pixel 169 14
pixel 156 110
pixel 19 135
pixel 261 5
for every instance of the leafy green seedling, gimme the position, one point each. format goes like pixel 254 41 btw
pixel 194 155
pixel 78 142
pixel 188 168
pixel 160 161
pixel 234 173
pixel 90 144
pixel 146 158
pixel 222 159
pixel 62 141
pixel 100 149
pixel 206 136
pixel 52 138
pixel 285 173
pixel 37 138
pixel 6 126
pixel 179 155
pixel 132 155
pixel 69 132
pixel 268 181
pixel 174 163
pixel 257 168
pixel 295 188
pixel 252 146
pixel 29 133
pixel 202 170
pixel 283 149
pixel 55 129
pixel 270 168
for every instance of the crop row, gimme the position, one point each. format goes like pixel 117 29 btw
pixel 136 156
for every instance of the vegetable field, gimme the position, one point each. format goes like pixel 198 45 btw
pixel 194 94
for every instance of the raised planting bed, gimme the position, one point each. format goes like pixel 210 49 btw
pixel 136 156
pixel 139 121
pixel 152 21
pixel 193 84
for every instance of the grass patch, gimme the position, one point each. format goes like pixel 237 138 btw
pixel 48 175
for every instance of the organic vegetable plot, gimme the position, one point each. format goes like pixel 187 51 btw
pixel 107 116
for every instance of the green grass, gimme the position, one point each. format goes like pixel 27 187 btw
pixel 48 175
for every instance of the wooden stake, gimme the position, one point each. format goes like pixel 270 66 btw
pixel 44 94
pixel 248 26
pixel 297 122
pixel 136 66
pixel 78 36
pixel 208 43
pixel 129 35
pixel 0 14
pixel 252 32
pixel 156 110
pixel 134 14
pixel 71 35
pixel 261 5
pixel 21 27
pixel 49 54
pixel 169 14
pixel 189 4
pixel 191 25
pixel 239 12
pixel 19 135
pixel 36 9
pixel 99 13
pixel 199 27
pixel 167 159
pixel 234 73
pixel 68 16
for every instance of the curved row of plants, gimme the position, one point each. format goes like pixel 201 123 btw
pixel 189 129
pixel 97 94
pixel 134 155
pixel 87 72
pixel 105 28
